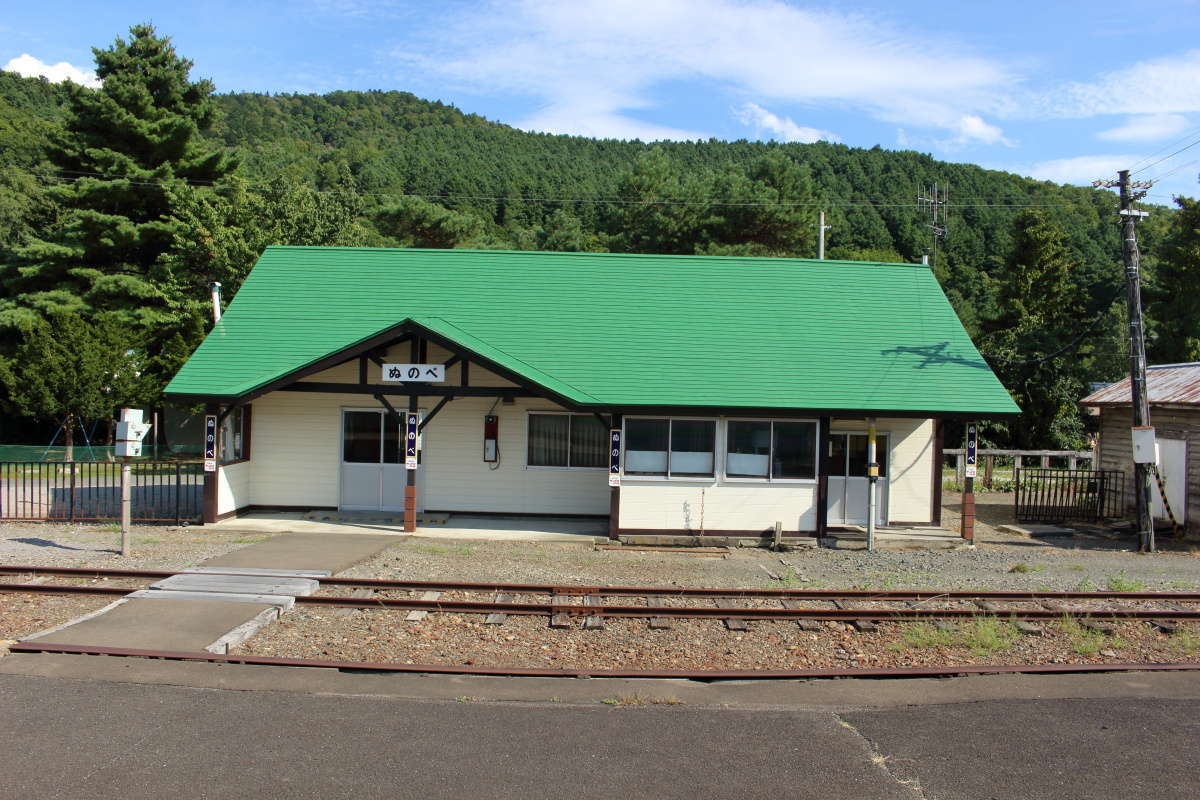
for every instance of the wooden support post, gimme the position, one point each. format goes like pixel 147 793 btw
pixel 410 488
pixel 968 498
pixel 989 462
pixel 614 492
pixel 1045 462
pixel 126 506
pixel 209 497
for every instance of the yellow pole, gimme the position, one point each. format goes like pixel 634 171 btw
pixel 872 477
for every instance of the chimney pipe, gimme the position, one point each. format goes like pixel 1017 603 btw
pixel 924 260
pixel 216 301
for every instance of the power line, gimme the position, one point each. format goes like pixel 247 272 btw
pixel 1164 158
pixel 1166 146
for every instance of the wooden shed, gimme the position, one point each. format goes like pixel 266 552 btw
pixel 1174 394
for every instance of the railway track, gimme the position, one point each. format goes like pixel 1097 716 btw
pixel 786 604
pixel 592 603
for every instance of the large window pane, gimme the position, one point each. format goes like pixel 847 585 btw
pixel 646 446
pixel 393 453
pixel 858 455
pixel 360 437
pixel 589 442
pixel 748 449
pixel 795 450
pixel 549 439
pixel 692 446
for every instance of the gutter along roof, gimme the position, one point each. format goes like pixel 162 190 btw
pixel 611 330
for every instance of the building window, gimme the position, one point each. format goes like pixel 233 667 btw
pixel 567 441
pixel 232 436
pixel 771 450
pixel 683 448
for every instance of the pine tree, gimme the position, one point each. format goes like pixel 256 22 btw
pixel 1174 302
pixel 121 151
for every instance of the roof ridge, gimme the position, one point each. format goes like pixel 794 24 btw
pixel 607 254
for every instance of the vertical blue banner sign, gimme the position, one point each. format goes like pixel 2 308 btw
pixel 210 442
pixel 614 457
pixel 972 449
pixel 410 441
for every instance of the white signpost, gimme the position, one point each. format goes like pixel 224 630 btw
pixel 130 432
pixel 410 373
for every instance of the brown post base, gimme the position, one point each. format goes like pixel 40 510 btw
pixel 410 509
pixel 968 517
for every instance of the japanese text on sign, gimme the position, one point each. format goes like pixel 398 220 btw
pixel 406 373
pixel 614 458
pixel 972 450
pixel 410 441
pixel 210 443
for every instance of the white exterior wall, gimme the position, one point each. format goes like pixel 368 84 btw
pixel 741 505
pixel 297 444
pixel 295 452
pixel 233 487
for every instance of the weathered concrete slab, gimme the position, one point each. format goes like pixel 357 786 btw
pixel 238 584
pixel 160 624
pixel 274 573
pixel 1035 530
pixel 306 551
pixel 282 602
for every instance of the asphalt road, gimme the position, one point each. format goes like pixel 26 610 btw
pixel 105 739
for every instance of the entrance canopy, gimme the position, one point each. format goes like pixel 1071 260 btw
pixel 611 331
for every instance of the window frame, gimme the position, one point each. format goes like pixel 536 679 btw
pixel 239 437
pixel 771 455
pixel 529 413
pixel 718 449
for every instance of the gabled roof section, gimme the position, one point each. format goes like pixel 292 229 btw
pixel 614 330
pixel 1167 384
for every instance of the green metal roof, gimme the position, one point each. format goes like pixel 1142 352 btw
pixel 609 330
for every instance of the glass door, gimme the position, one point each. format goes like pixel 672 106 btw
pixel 848 478
pixel 373 476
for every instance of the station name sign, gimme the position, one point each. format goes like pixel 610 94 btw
pixel 414 373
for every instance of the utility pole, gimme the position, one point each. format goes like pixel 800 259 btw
pixel 1143 456
pixel 932 200
pixel 821 228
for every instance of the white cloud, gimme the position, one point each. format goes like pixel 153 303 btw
pixel 783 128
pixel 971 129
pixel 1080 169
pixel 597 62
pixel 1166 85
pixel 29 67
pixel 1151 128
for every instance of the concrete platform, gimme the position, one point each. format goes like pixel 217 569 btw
pixel 896 539
pixel 167 624
pixel 1037 531
pixel 457 526
pixel 306 551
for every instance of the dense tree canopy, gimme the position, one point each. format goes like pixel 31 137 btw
pixel 124 202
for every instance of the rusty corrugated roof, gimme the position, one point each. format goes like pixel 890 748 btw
pixel 1177 384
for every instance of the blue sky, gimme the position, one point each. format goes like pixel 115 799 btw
pixel 1064 91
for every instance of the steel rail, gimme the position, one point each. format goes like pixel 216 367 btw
pixel 546 672
pixel 672 612
pixel 643 591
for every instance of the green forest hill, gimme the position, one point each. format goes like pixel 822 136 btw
pixel 210 179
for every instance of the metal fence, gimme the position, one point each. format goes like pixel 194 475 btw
pixel 1059 495
pixel 160 491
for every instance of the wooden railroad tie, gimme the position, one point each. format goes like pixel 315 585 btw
pixel 592 622
pixel 732 623
pixel 498 618
pixel 810 625
pixel 420 614
pixel 860 625
pixel 346 612
pixel 561 619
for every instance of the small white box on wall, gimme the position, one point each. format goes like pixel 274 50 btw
pixel 1143 444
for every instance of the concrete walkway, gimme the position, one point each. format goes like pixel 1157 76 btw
pixel 457 526
pixel 212 609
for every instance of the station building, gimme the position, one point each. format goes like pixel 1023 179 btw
pixel 674 395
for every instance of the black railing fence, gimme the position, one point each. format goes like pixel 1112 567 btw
pixel 160 491
pixel 1059 495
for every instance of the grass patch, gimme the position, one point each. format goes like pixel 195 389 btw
pixel 631 700
pixel 1022 568
pixel 1180 586
pixel 441 550
pixel 922 636
pixel 1077 568
pixel 147 540
pixel 1086 585
pixel 1186 641
pixel 1087 641
pixel 986 635
pixel 1121 583
pixel 248 539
